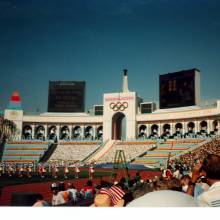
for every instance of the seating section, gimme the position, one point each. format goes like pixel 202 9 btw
pixel 132 149
pixel 24 151
pixel 165 150
pixel 74 151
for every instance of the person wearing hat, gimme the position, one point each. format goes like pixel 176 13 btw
pixel 57 198
pixel 112 197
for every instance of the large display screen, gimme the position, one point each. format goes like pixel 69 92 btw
pixel 66 96
pixel 177 89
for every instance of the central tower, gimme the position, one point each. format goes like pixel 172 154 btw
pixel 118 107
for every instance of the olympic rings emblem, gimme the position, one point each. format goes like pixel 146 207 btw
pixel 118 106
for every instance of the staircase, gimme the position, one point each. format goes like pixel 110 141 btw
pixel 102 151
pixel 52 147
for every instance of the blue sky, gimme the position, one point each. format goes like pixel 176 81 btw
pixel 94 40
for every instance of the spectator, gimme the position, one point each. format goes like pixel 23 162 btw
pixel 40 202
pixel 57 198
pixel 72 193
pixel 88 191
pixel 209 168
pixel 112 197
pixel 176 173
pixel 184 181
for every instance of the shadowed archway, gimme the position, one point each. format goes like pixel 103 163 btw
pixel 118 127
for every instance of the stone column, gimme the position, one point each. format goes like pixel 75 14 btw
pixel 149 130
pixel 159 132
pixel 94 127
pixel 58 131
pixel 171 128
pixel 197 126
pixel 33 131
pixel 83 131
pixel 70 131
pixel 184 130
pixel 46 131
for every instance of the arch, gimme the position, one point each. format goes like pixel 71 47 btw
pixel 166 130
pixel 27 132
pixel 203 125
pixel 178 130
pixel 214 127
pixel 77 132
pixel 65 133
pixel 89 132
pixel 154 131
pixel 52 132
pixel 190 127
pixel 40 132
pixel 142 131
pixel 178 127
pixel 100 132
pixel 117 125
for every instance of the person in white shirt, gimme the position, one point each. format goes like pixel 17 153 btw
pixel 57 198
pixel 176 173
pixel 210 169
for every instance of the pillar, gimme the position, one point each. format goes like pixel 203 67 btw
pixel 46 131
pixel 149 130
pixel 70 131
pixel 184 127
pixel 171 128
pixel 197 126
pixel 83 131
pixel 58 132
pixel 33 131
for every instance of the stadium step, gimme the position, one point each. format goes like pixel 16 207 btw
pixel 108 145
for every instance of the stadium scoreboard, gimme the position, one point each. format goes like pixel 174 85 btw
pixel 180 89
pixel 66 96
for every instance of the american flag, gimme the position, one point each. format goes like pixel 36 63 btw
pixel 115 193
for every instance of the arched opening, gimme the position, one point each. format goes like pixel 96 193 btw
pixel 100 132
pixel 52 132
pixel 215 127
pixel 178 130
pixel 191 126
pixel 203 127
pixel 40 132
pixel 89 132
pixel 166 130
pixel 118 126
pixel 154 131
pixel 27 132
pixel 142 131
pixel 77 131
pixel 65 133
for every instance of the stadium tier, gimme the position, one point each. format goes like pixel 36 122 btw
pixel 74 151
pixel 166 150
pixel 24 151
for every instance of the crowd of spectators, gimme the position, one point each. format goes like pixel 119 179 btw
pixel 174 188
pixel 190 159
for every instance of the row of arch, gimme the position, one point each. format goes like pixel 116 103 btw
pixel 64 133
pixel 178 131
